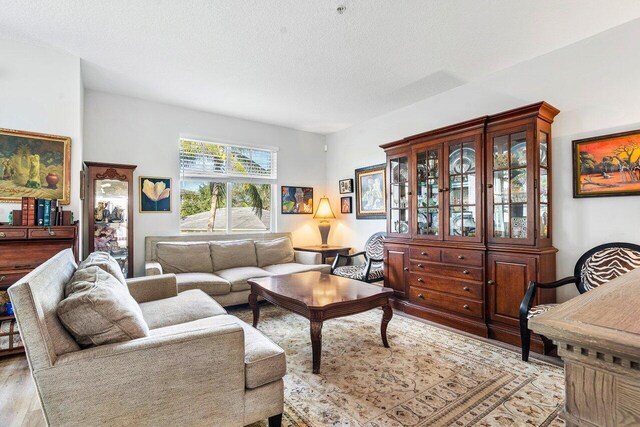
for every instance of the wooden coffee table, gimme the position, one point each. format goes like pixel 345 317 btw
pixel 319 297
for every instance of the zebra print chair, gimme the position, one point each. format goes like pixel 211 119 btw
pixel 595 268
pixel 371 270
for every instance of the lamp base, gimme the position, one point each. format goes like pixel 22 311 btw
pixel 324 228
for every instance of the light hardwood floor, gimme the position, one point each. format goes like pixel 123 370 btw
pixel 19 404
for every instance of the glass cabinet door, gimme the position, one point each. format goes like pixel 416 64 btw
pixel 428 190
pixel 544 185
pixel 399 199
pixel 110 214
pixel 509 181
pixel 461 191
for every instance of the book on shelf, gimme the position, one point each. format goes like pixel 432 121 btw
pixel 46 217
pixel 41 212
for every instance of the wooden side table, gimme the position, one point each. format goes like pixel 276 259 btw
pixel 325 251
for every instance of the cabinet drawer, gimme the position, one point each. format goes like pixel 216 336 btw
pixel 445 302
pixel 13 233
pixel 55 233
pixel 10 277
pixel 462 257
pixel 428 254
pixel 467 273
pixel 446 284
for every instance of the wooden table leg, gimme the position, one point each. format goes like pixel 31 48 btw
pixel 316 344
pixel 386 317
pixel 253 302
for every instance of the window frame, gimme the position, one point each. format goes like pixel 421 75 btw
pixel 229 179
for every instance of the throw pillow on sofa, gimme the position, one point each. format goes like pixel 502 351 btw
pixel 184 257
pixel 277 251
pixel 233 253
pixel 97 310
pixel 107 263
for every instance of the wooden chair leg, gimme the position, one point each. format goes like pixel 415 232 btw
pixel 275 421
pixel 525 338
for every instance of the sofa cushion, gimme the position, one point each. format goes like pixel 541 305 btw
pixel 294 267
pixel 233 253
pixel 186 307
pixel 98 310
pixel 209 283
pixel 184 257
pixel 238 276
pixel 264 361
pixel 277 251
pixel 107 263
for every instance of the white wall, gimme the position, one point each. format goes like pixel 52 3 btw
pixel 120 129
pixel 596 85
pixel 41 91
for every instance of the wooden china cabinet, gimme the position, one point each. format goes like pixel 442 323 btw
pixel 109 211
pixel 469 221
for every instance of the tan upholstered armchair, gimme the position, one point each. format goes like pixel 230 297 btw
pixel 199 366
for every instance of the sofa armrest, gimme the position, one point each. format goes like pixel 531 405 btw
pixel 151 288
pixel 308 258
pixel 152 268
pixel 202 366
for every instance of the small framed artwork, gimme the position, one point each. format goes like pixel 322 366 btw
pixel 155 194
pixel 346 186
pixel 370 192
pixel 296 200
pixel 345 205
pixel 607 165
pixel 34 165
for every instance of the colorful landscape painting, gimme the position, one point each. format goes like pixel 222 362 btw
pixel 297 200
pixel 34 165
pixel 607 165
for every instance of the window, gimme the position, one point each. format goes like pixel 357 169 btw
pixel 226 188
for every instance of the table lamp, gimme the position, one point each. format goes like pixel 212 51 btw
pixel 324 214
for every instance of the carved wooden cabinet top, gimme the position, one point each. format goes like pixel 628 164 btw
pixel 605 318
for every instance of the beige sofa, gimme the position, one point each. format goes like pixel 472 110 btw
pixel 198 366
pixel 215 265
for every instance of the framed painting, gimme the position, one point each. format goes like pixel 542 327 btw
pixel 34 165
pixel 155 194
pixel 607 165
pixel 296 200
pixel 370 192
pixel 346 186
pixel 346 205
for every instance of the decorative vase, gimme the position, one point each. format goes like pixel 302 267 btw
pixel 52 180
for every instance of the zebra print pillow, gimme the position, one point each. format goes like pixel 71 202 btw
pixel 606 265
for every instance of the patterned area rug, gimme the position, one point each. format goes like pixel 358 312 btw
pixel 429 376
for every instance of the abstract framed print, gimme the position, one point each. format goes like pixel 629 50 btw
pixel 296 200
pixel 346 186
pixel 607 165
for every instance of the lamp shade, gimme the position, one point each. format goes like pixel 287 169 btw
pixel 324 210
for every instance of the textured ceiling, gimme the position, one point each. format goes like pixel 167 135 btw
pixel 298 63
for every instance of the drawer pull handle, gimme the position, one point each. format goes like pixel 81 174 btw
pixel 424 254
pixel 2 278
pixel 420 296
pixel 406 269
pixel 466 288
pixel 490 282
pixel 466 306
pixel 460 256
pixel 420 265
pixel 465 271
pixel 420 279
pixel 3 234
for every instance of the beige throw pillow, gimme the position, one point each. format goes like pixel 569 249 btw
pixel 107 263
pixel 233 253
pixel 97 310
pixel 277 251
pixel 184 257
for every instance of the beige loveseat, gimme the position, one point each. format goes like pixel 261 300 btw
pixel 198 366
pixel 220 265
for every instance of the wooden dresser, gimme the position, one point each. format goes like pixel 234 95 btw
pixel 469 221
pixel 24 248
pixel 598 337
